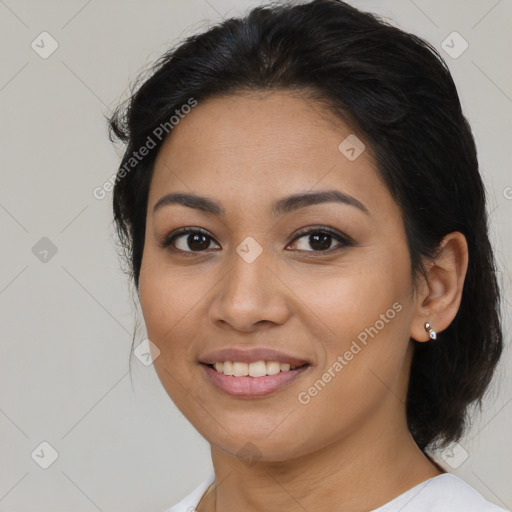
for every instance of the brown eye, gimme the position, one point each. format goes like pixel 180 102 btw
pixel 320 240
pixel 195 242
pixel 189 240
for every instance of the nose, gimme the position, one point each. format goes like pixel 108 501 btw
pixel 250 296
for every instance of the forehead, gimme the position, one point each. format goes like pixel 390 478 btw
pixel 256 145
pixel 267 123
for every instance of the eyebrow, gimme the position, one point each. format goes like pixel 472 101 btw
pixel 280 207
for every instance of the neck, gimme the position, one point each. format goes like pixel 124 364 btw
pixel 360 472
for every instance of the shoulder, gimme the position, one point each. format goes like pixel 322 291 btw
pixel 443 493
pixel 190 501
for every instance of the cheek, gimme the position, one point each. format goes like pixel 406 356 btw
pixel 355 296
pixel 366 310
pixel 166 300
pixel 172 301
pixel 365 360
pixel 168 294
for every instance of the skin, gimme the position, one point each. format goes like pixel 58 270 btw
pixel 348 447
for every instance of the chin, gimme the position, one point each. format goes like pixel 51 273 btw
pixel 250 446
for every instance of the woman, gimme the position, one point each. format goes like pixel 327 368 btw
pixel 305 223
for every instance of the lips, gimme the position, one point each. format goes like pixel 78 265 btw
pixel 251 387
pixel 253 371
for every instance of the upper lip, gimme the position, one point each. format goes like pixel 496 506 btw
pixel 251 355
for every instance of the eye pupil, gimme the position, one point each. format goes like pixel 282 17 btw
pixel 322 239
pixel 197 238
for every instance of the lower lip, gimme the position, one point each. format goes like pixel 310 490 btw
pixel 251 386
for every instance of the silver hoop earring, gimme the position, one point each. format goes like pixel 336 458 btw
pixel 432 334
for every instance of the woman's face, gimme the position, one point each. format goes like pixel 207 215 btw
pixel 259 276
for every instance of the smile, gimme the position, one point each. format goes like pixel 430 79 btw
pixel 250 380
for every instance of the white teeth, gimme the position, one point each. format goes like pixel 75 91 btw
pixel 256 369
pixel 228 368
pixel 273 367
pixel 240 369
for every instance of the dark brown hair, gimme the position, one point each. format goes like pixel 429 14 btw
pixel 397 92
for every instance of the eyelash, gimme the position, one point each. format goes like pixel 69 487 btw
pixel 342 239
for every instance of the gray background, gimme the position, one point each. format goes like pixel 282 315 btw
pixel 67 318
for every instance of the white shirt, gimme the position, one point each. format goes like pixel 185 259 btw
pixel 442 493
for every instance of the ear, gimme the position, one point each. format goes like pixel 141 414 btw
pixel 438 298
